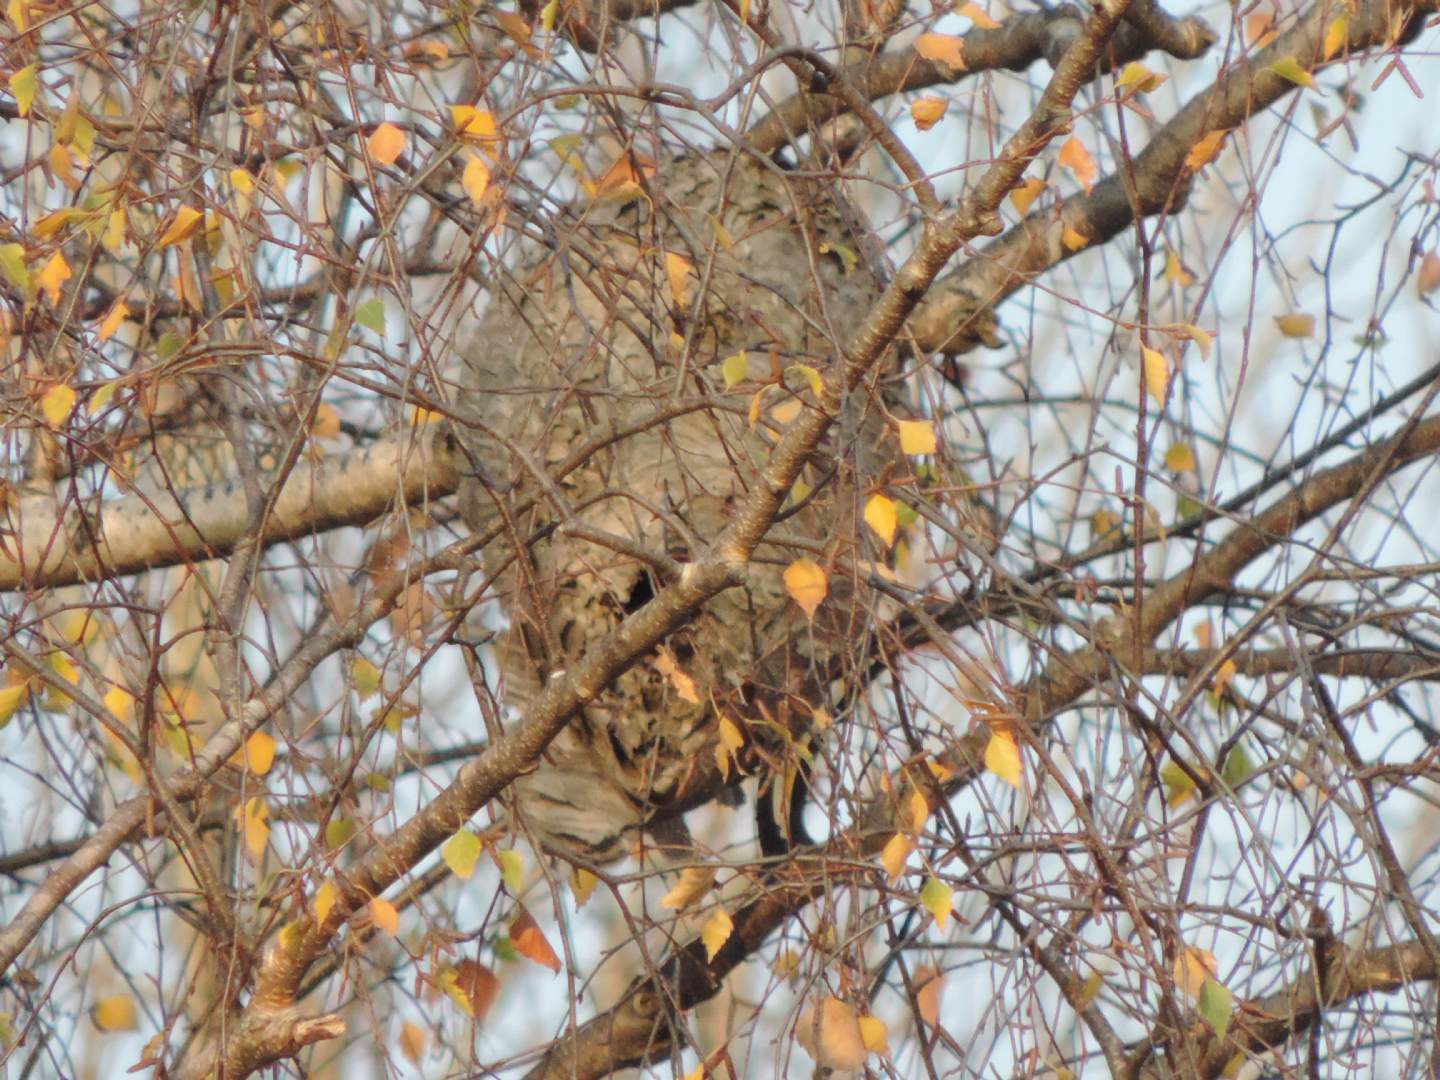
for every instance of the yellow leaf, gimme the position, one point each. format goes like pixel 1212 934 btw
pixel 731 737
pixel 512 869
pixel 927 111
pixel 56 220
pixel 684 685
pixel 18 11
pixel 242 181
pixel 326 424
pixel 548 13
pixel 182 226
pixel 386 143
pixel 680 276
pixel 1295 325
pixel 812 377
pixel 1336 35
pixel 108 325
pixel 1076 160
pixel 1002 757
pixel 56 405
pixel 1205 150
pixel 1223 678
pixel 695 882
pixel 1141 77
pixel 384 916
pixel 23 85
pixel 115 1013
pixel 917 436
pixel 1025 193
pixel 936 898
pixel 1073 239
pixel 917 811
pixel 944 49
pixel 977 15
pixel 53 275
pixel 460 853
pixel 473 125
pixel 528 940
pixel 831 1036
pixel 722 762
pixel 62 166
pixel 896 851
pixel 697 1073
pixel 364 677
pixel 1289 69
pixel 1180 458
pixel 252 817
pixel 874 1034
pixel 882 517
pixel 1089 989
pixel 475 179
pixel 324 901
pixel 1156 374
pixel 807 585
pixel 412 1042
pixel 582 884
pixel 11 697
pixel 1195 334
pixel 1175 271
pixel 259 752
pixel 716 932
pixel 113 238
pixel 1192 968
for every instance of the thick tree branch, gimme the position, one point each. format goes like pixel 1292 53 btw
pixel 1154 182
pixel 50 541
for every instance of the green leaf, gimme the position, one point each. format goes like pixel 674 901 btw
pixel 12 265
pixel 1287 67
pixel 371 315
pixel 1238 767
pixel 1215 1006
pixel 338 831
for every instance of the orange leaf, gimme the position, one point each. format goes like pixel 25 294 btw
pixel 927 111
pixel 259 752
pixel 680 275
pixel 113 318
pixel 892 858
pixel 1025 193
pixel 928 985
pixel 1073 238
pixel 1205 150
pixel 944 49
pixel 529 941
pixel 807 585
pixel 684 685
pixel 1076 160
pixel 1192 968
pixel 384 916
pixel 977 15
pixel 385 143
pixel 1427 278
pixel 412 1042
